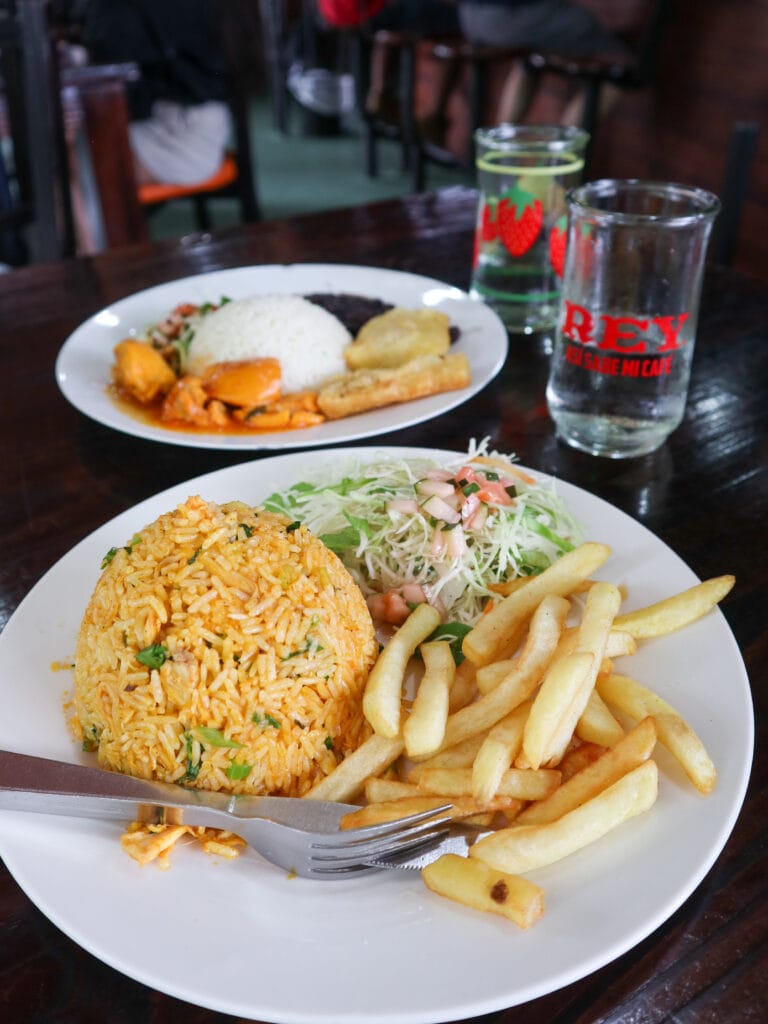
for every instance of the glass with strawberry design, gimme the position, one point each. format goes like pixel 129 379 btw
pixel 524 173
pixel 624 343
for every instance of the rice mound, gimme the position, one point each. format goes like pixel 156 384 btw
pixel 307 339
pixel 259 645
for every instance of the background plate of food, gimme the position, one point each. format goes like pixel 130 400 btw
pixel 244 937
pixel 281 356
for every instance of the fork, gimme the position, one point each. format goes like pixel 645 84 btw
pixel 301 835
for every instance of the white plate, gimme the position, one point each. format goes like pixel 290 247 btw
pixel 242 938
pixel 83 366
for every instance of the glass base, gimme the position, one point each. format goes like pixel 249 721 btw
pixel 612 437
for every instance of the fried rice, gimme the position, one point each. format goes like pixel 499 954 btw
pixel 224 648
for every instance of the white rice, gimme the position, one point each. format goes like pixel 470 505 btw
pixel 308 340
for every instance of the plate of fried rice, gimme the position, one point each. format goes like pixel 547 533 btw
pixel 241 936
pixel 257 312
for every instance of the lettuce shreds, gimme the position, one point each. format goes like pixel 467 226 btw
pixel 385 549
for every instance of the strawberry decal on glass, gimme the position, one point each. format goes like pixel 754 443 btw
pixel 558 238
pixel 520 216
pixel 489 225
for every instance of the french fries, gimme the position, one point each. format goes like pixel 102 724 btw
pixel 674 733
pixel 530 738
pixel 476 885
pixel 559 689
pixel 675 612
pixel 520 682
pixel 391 810
pixel 597 724
pixel 498 632
pixel 460 755
pixel 348 778
pixel 424 729
pixel 630 752
pixel 602 604
pixel 497 752
pixel 521 783
pixel 464 686
pixel 383 692
pixel 523 848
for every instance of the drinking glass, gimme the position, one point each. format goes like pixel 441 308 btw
pixel 524 173
pixel 624 343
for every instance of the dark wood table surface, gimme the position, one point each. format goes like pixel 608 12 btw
pixel 705 493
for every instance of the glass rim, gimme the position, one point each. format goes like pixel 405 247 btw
pixel 703 204
pixel 508 137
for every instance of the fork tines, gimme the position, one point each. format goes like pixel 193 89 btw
pixel 395 840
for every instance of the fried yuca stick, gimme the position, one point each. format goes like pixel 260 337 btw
pixel 637 701
pixel 522 848
pixel 632 750
pixel 544 632
pixel 677 611
pixel 498 632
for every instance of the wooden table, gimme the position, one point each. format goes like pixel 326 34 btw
pixel 705 493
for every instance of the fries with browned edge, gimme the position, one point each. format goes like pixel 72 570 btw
pixel 536 739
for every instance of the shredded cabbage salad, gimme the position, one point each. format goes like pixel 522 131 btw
pixel 453 530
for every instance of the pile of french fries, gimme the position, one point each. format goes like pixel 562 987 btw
pixel 534 739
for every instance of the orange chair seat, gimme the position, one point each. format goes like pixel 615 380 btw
pixel 162 193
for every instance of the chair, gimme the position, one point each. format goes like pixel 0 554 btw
pixel 112 199
pixel 236 176
pixel 477 74
pixel 35 214
pixel 595 73
pixel 392 115
pixel 438 90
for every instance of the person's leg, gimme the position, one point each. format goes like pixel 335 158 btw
pixel 547 25
pixel 180 145
pixel 516 95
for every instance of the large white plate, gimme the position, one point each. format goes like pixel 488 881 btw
pixel 244 939
pixel 83 367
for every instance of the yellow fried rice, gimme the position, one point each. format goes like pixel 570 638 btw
pixel 227 649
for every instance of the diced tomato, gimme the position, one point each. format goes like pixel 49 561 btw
pixel 186 309
pixel 389 607
pixel 490 490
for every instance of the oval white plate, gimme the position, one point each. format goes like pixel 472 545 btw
pixel 83 366
pixel 242 938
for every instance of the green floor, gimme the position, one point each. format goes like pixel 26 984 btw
pixel 298 173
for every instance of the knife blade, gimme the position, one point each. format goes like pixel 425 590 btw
pixel 456 842
pixel 46 786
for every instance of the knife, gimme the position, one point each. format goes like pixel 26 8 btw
pixel 47 786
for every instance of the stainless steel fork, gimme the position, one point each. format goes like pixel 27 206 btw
pixel 300 835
